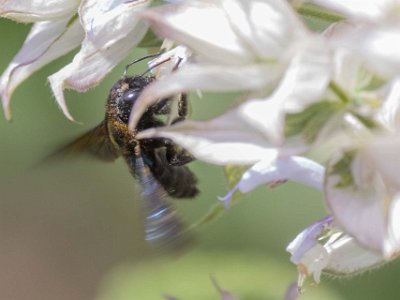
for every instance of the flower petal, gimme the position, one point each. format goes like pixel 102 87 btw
pixel 185 24
pixel 304 82
pixel 307 76
pixel 255 110
pixel 169 61
pixel 273 170
pixel 389 115
pixel 306 239
pixel 223 140
pixel 323 247
pixel 46 41
pixel 296 168
pixel 366 9
pixel 269 27
pixel 347 257
pixel 107 22
pixel 369 213
pixel 206 77
pixel 95 60
pixel 376 45
pixel 380 154
pixel 292 292
pixel 39 10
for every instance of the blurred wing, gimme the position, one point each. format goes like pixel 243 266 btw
pixel 95 142
pixel 164 229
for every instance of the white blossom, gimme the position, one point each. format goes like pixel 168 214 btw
pixel 106 30
pixel 366 206
pixel 279 169
pixel 253 45
pixel 375 32
pixel 39 10
pixel 322 247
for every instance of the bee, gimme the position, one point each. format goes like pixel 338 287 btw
pixel 157 164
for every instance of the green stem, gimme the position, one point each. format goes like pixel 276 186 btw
pixel 339 92
pixel 318 13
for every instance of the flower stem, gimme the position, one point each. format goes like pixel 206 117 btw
pixel 316 12
pixel 339 92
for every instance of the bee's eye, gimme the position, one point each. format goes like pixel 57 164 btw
pixel 130 95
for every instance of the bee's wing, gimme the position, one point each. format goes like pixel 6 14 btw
pixel 164 229
pixel 96 143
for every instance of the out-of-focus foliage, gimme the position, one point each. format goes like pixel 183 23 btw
pixel 247 276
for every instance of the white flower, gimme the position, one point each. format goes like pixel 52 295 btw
pixel 279 169
pixel 54 34
pixel 370 10
pixel 322 247
pixel 223 140
pixel 107 31
pixel 375 35
pixel 362 190
pixel 252 45
pixel 39 10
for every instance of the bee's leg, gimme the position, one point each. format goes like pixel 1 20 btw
pixel 183 106
pixel 162 107
pixel 176 155
pixel 177 120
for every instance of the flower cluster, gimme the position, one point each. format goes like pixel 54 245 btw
pixel 107 31
pixel 320 108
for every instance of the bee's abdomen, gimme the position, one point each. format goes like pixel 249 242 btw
pixel 178 181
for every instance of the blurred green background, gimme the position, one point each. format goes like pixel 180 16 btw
pixel 72 230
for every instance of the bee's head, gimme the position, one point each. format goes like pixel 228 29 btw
pixel 124 94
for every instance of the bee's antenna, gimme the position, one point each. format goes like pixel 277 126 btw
pixel 177 64
pixel 156 65
pixel 140 59
pixel 164 61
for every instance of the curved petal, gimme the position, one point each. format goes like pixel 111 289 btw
pixel 269 27
pixel 190 23
pixel 296 168
pixel 273 169
pixel 254 112
pixel 347 257
pixel 223 140
pixel 307 239
pixel 323 247
pixel 169 61
pixel 106 22
pixel 377 46
pixel 205 77
pixel 370 213
pixel 92 64
pixel 45 42
pixel 304 82
pixel 389 115
pixel 306 77
pixel 379 155
pixel 366 9
pixel 39 10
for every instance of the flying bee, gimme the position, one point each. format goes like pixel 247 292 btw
pixel 157 164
